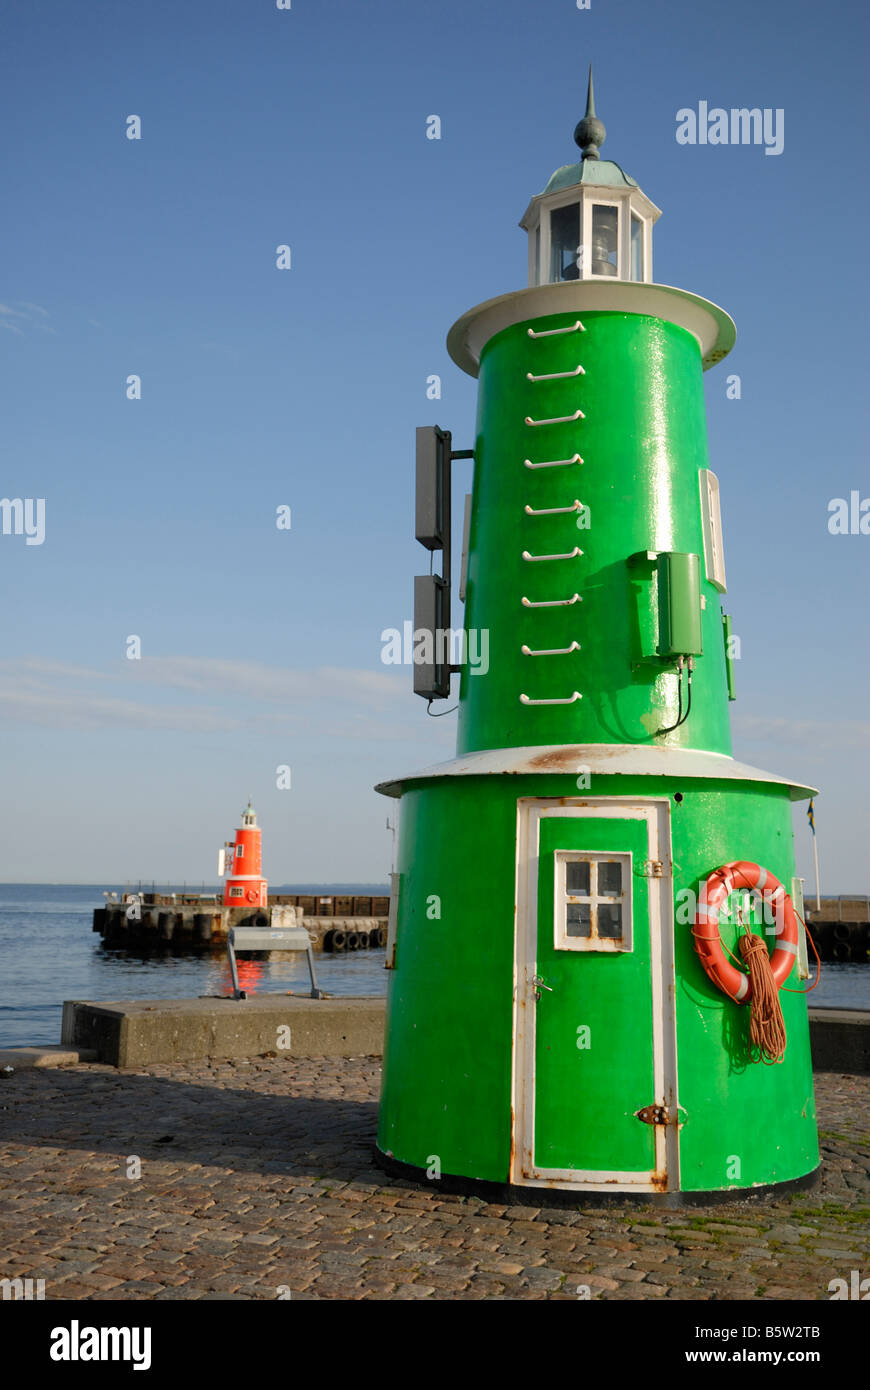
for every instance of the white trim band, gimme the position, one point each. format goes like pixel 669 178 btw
pixel 710 326
pixel 606 759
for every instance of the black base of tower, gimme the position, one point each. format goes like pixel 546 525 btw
pixel 532 1196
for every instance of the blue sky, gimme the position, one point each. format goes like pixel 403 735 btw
pixel 260 388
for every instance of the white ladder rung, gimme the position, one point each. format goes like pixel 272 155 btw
pixel 575 506
pixel 526 700
pixel 551 602
pixel 556 376
pixel 552 463
pixel 551 332
pixel 568 555
pixel 557 419
pixel 551 651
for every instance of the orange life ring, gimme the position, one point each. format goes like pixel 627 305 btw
pixel 713 896
pixel 253 895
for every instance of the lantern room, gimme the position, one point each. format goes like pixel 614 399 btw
pixel 591 222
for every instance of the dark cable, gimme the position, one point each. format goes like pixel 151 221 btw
pixel 689 685
pixel 681 717
pixel 441 713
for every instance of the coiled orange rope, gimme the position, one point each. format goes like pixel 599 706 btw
pixel 766 1024
pixel 767 1036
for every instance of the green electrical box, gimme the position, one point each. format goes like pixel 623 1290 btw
pixel 679 593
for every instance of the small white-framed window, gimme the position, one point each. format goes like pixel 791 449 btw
pixel 237 892
pixel 240 851
pixel 711 513
pixel 593 902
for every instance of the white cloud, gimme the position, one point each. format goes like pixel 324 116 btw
pixel 31 668
pixel 326 702
pixel 808 734
pixel 257 681
pixel 28 314
pixel 70 710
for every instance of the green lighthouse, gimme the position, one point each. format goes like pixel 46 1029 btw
pixel 572 887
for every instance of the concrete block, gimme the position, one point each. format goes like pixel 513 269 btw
pixel 135 1034
pixel 286 915
pixel 840 1040
pixel 51 1056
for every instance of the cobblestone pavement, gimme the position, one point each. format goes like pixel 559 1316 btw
pixel 257 1181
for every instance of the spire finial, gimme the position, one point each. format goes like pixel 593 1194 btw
pixel 590 133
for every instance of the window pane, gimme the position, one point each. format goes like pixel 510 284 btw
pixel 609 919
pixel 577 919
pixel 605 221
pixel 636 271
pixel 610 880
pixel 577 878
pixel 564 242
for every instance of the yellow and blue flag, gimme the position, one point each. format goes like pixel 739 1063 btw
pixel 811 816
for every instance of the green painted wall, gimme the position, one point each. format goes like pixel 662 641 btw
pixel 643 441
pixel 449 1052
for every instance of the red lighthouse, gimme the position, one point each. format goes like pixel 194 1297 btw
pixel 242 861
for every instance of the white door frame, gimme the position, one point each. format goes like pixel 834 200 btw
pixel 655 811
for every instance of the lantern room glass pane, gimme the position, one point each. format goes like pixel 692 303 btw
pixel 605 242
pixel 636 268
pixel 564 243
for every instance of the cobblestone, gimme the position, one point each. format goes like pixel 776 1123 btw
pixel 269 1183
